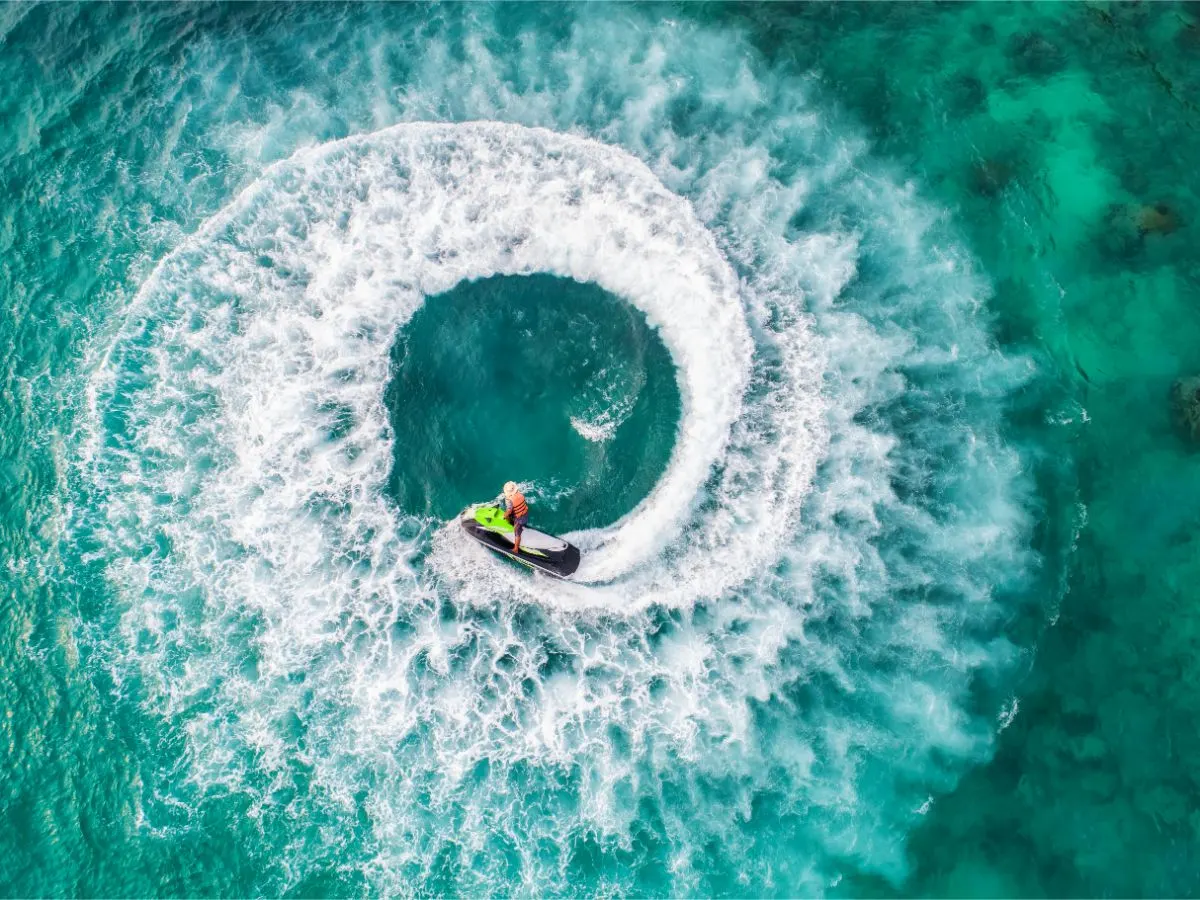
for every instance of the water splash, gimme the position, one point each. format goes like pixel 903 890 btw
pixel 768 664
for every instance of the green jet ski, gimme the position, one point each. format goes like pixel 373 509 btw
pixel 539 551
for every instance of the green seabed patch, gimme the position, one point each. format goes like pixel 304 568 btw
pixel 1063 139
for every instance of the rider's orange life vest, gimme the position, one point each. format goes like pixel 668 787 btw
pixel 519 506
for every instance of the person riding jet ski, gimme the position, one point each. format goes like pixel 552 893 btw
pixel 516 511
pixel 501 526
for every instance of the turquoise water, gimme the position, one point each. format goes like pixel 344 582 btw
pixel 549 378
pixel 841 339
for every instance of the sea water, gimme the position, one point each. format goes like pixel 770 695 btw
pixel 762 308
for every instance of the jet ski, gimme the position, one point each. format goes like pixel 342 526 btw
pixel 544 552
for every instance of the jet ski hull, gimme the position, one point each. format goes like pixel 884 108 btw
pixel 539 550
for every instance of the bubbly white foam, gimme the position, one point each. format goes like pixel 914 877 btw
pixel 319 264
pixel 310 642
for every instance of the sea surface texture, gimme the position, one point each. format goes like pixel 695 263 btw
pixel 856 346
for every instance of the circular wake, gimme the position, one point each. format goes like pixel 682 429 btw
pixel 303 282
pixel 763 670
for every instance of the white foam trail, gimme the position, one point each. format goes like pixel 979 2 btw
pixel 304 637
pixel 323 260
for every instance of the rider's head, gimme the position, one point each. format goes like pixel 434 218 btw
pixel 510 488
